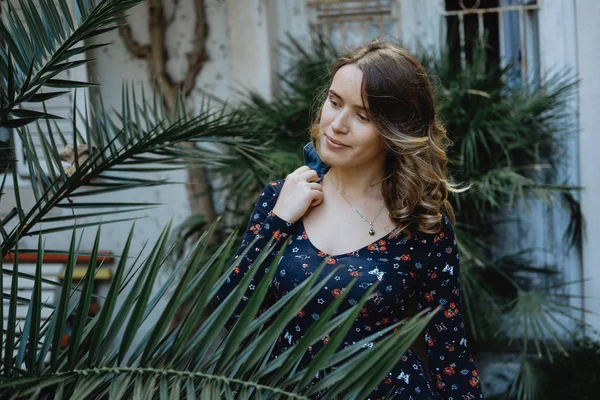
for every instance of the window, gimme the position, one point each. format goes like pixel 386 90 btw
pixel 509 27
pixel 351 22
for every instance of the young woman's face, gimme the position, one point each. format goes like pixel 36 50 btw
pixel 347 138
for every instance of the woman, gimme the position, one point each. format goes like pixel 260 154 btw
pixel 377 206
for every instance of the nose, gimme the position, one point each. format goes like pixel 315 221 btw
pixel 339 124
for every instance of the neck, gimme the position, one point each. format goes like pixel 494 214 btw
pixel 357 183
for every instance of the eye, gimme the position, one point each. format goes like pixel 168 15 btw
pixel 362 117
pixel 334 102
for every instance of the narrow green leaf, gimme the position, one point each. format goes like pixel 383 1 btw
pixel 190 263
pixel 36 307
pixel 41 97
pixel 28 114
pixel 44 351
pixel 119 386
pixel 2 308
pixel 150 389
pixel 105 205
pixel 51 15
pixel 117 188
pixel 88 215
pixel 11 324
pixel 58 68
pixel 86 385
pixel 153 265
pixel 175 389
pixel 52 150
pixel 219 317
pixel 69 84
pixel 10 92
pixel 74 128
pixel 80 50
pixel 13 48
pixel 123 312
pixel 69 227
pixel 190 389
pixel 31 158
pixel 163 388
pixel 17 123
pixel 110 302
pixel 48 158
pixel 66 13
pixel 84 303
pixel 40 26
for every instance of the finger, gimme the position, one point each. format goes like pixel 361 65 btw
pixel 317 199
pixel 315 186
pixel 316 202
pixel 300 170
pixel 309 176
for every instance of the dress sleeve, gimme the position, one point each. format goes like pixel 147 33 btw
pixel 263 226
pixel 450 362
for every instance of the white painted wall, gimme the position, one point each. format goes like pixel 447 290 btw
pixel 114 65
pixel 588 59
pixel 420 24
pixel 558 53
pixel 253 44
pixel 292 17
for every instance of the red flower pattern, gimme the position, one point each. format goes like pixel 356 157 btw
pixel 424 257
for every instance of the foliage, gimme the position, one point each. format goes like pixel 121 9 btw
pixel 114 354
pixel 578 372
pixel 193 358
pixel 506 139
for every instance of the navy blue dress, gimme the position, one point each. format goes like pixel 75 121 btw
pixel 423 269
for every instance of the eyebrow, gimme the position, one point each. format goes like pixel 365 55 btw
pixel 338 96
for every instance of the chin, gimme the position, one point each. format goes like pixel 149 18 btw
pixel 334 160
pixel 327 156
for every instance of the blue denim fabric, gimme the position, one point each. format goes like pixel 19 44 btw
pixel 313 161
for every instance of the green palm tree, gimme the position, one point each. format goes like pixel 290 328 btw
pixel 102 359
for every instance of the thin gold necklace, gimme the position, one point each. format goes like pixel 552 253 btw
pixel 371 230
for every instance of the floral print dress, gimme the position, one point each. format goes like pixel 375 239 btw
pixel 423 269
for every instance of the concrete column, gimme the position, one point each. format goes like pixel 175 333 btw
pixel 588 58
pixel 420 25
pixel 252 24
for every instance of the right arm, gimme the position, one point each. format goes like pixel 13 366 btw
pixel 262 226
pixel 281 204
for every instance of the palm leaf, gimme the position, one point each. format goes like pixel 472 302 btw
pixel 40 43
pixel 109 367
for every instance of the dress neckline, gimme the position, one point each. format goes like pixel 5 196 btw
pixel 346 253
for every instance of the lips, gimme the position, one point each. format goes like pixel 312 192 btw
pixel 336 142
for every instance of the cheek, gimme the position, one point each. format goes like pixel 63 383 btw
pixel 372 139
pixel 326 116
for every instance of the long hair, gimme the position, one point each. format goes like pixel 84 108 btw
pixel 401 103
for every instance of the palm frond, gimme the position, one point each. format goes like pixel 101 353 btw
pixel 42 42
pixel 117 150
pixel 95 363
pixel 542 316
pixel 526 385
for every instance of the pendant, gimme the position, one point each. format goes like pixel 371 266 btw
pixel 371 231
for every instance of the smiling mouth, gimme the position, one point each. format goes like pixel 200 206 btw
pixel 335 141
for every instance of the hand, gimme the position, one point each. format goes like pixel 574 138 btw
pixel 300 192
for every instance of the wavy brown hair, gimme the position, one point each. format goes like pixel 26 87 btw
pixel 401 103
